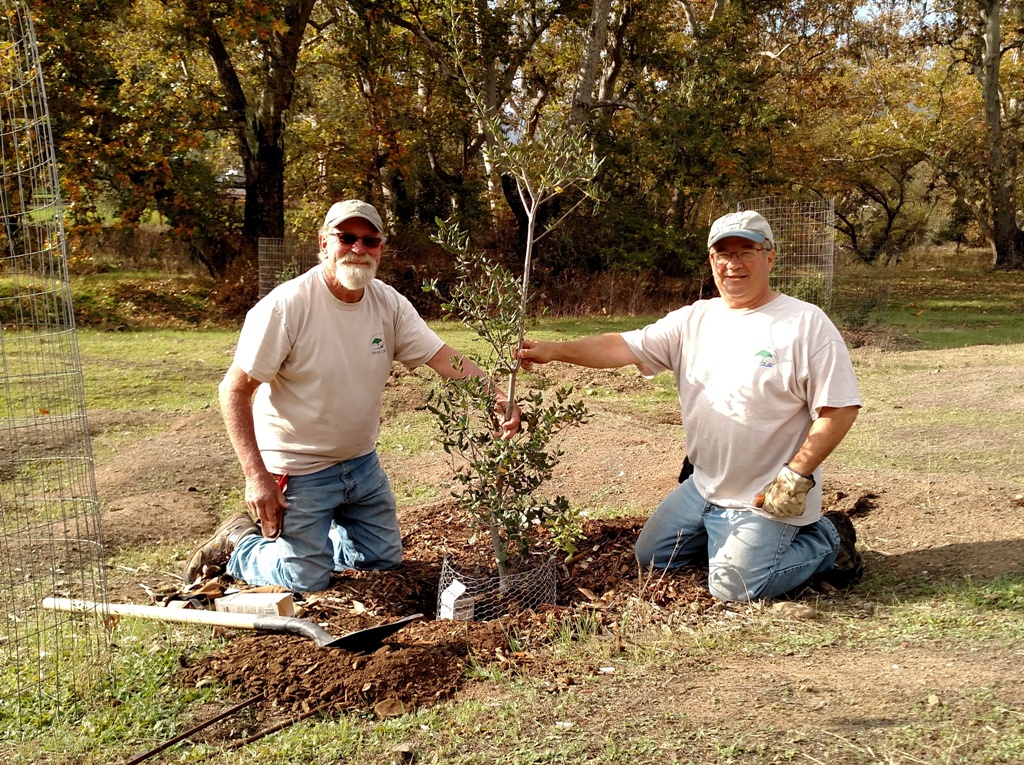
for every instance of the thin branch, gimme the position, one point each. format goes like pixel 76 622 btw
pixel 195 729
pixel 622 105
pixel 568 212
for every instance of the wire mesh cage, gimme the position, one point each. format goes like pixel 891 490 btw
pixel 465 597
pixel 804 244
pixel 50 541
pixel 284 259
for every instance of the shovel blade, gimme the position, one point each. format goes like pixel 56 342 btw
pixel 371 638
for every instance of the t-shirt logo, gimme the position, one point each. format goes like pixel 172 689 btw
pixel 766 358
pixel 377 346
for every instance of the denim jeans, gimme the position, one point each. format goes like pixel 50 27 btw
pixel 749 556
pixel 341 517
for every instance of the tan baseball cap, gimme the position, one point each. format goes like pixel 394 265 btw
pixel 353 208
pixel 746 223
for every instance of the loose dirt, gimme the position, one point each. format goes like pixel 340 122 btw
pixel 162 488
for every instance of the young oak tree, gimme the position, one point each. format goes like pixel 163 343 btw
pixel 499 479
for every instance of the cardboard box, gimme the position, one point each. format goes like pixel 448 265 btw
pixel 258 603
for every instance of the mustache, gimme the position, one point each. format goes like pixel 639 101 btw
pixel 364 261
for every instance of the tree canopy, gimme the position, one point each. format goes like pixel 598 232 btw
pixel 908 117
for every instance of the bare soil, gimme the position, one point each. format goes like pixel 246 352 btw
pixel 163 489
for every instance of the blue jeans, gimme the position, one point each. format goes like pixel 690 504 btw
pixel 749 557
pixel 338 518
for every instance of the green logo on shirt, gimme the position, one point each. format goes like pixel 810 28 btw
pixel 377 345
pixel 766 358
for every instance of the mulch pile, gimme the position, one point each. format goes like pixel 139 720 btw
pixel 424 662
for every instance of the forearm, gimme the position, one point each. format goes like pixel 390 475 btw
pixel 825 435
pixel 608 351
pixel 236 409
pixel 452 365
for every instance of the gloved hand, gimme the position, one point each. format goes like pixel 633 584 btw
pixel 785 497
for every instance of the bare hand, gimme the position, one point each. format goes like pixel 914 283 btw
pixel 264 496
pixel 509 425
pixel 535 352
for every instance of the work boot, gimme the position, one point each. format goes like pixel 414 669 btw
pixel 216 550
pixel 849 566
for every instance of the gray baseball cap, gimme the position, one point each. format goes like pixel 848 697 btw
pixel 746 223
pixel 353 208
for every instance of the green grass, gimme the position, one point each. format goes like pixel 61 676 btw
pixel 167 370
pixel 132 704
pixel 935 412
pixel 954 302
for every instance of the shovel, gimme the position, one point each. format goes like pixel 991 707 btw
pixel 360 641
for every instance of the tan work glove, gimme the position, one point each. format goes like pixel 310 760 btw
pixel 786 496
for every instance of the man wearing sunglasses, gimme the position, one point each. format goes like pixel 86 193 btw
pixel 767 392
pixel 302 405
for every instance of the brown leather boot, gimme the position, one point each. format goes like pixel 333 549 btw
pixel 849 566
pixel 216 550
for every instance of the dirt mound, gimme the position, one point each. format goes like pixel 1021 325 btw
pixel 425 661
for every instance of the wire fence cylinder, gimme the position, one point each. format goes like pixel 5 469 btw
pixel 805 237
pixel 284 259
pixel 50 540
pixel 466 597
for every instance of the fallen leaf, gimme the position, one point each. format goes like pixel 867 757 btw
pixel 589 594
pixel 795 610
pixel 389 707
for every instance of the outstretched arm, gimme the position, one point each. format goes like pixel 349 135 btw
pixel 608 351
pixel 452 365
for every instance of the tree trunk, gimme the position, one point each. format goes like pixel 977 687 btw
pixel 1007 239
pixel 586 81
pixel 258 115
pixel 264 194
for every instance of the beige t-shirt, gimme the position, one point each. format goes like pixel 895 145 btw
pixel 750 384
pixel 324 364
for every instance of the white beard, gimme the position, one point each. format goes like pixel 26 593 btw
pixel 354 277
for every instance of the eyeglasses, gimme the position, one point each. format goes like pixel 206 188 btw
pixel 746 255
pixel 349 239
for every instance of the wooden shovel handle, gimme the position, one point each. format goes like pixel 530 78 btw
pixel 160 613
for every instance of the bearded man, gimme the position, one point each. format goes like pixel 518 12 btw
pixel 302 406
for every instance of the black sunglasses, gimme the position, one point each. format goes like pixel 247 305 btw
pixel 348 239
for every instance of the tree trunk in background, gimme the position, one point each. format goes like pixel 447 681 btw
pixel 1007 239
pixel 597 34
pixel 258 113
pixel 264 191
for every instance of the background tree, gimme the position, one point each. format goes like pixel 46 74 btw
pixel 254 48
pixel 860 135
pixel 132 123
pixel 981 160
pixel 145 133
pixel 694 105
